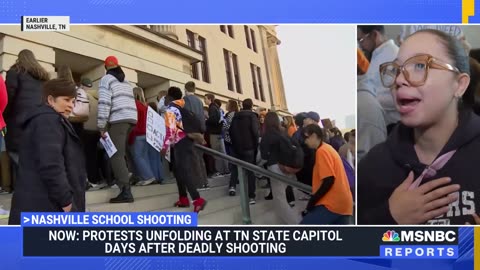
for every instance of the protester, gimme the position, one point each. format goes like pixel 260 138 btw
pixel 24 88
pixel 270 149
pixel 116 107
pixel 289 124
pixel 140 150
pixel 305 174
pixel 337 140
pixel 52 178
pixel 98 167
pixel 425 165
pixel 195 105
pixel 331 201
pixel 232 109
pixel 214 129
pixel 371 124
pixel 373 40
pixel 183 149
pixel 244 136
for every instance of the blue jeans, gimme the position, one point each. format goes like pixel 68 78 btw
pixel 320 215
pixel 155 163
pixel 140 158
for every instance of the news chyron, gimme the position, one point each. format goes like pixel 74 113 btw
pixel 178 234
pixel 45 23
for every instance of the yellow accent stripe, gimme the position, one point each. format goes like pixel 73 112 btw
pixel 476 248
pixel 468 9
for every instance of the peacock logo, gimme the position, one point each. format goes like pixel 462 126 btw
pixel 390 236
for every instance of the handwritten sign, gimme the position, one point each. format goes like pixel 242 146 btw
pixel 156 130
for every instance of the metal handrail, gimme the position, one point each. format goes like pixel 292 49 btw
pixel 242 166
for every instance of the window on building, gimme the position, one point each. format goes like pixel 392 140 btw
pixel 260 84
pixel 202 46
pixel 228 70
pixel 254 43
pixel 254 80
pixel 190 39
pixel 236 74
pixel 230 31
pixel 227 29
pixel 247 35
pixel 202 42
pixel 191 44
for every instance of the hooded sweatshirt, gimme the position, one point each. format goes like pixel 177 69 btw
pixel 244 131
pixel 388 164
pixel 116 103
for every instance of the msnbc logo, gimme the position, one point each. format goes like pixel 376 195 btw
pixel 390 236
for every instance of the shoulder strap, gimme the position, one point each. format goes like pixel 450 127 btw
pixel 431 170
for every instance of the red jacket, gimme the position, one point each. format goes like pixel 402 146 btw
pixel 141 128
pixel 3 101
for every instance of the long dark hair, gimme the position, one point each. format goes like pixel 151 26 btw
pixel 272 122
pixel 27 63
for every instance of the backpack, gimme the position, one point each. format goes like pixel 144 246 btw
pixel 82 105
pixel 191 123
pixel 291 156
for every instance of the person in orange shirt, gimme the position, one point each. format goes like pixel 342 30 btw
pixel 331 201
pixel 289 125
pixel 362 62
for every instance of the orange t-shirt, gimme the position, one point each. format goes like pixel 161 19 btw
pixel 339 198
pixel 291 130
pixel 362 62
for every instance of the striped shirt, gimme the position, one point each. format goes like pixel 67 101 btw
pixel 116 103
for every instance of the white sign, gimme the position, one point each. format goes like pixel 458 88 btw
pixel 167 155
pixel 45 23
pixel 156 130
pixel 108 145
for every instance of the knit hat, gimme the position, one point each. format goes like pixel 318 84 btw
pixel 86 82
pixel 111 62
pixel 314 116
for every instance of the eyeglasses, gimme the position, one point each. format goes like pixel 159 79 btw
pixel 415 70
pixel 363 38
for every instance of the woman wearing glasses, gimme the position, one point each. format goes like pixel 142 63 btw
pixel 425 172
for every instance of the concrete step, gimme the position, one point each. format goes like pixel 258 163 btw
pixel 104 195
pixel 220 210
pixel 226 210
pixel 151 203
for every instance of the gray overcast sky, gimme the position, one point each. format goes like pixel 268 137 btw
pixel 318 69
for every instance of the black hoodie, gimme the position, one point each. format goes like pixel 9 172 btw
pixel 52 173
pixel 117 73
pixel 244 131
pixel 387 165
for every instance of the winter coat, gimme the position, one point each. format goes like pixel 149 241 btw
pixel 24 94
pixel 52 173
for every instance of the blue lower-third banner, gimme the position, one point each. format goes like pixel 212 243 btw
pixel 123 241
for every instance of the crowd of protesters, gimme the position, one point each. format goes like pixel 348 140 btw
pixel 51 150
